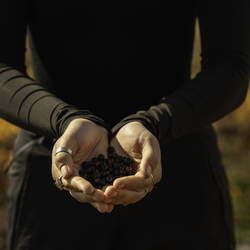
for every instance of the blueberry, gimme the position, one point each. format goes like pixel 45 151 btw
pixel 83 175
pixel 111 149
pixel 114 155
pixel 110 160
pixel 116 172
pixel 97 164
pixel 104 167
pixel 85 164
pixel 103 173
pixel 90 177
pixel 127 161
pixel 128 169
pixel 111 169
pixel 123 172
pixel 132 172
pixel 95 159
pixel 103 182
pixel 97 180
pixel 119 159
pixel 96 174
pixel 101 157
pixel 116 165
pixel 87 170
pixel 110 178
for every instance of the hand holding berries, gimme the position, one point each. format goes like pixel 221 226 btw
pixel 86 140
pixel 134 140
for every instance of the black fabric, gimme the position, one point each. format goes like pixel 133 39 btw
pixel 112 63
pixel 189 209
pixel 115 60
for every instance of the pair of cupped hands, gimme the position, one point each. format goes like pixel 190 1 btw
pixel 86 139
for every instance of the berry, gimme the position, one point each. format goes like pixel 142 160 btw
pixel 111 150
pixel 101 157
pixel 101 171
pixel 97 180
pixel 114 155
pixel 96 174
pixel 116 172
pixel 119 159
pixel 85 164
pixel 132 172
pixel 104 167
pixel 102 182
pixel 116 165
pixel 111 169
pixel 110 178
pixel 87 170
pixel 95 159
pixel 97 163
pixel 127 161
pixel 128 168
pixel 90 177
pixel 123 172
pixel 83 175
pixel 111 160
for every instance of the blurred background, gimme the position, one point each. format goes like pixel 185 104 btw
pixel 234 142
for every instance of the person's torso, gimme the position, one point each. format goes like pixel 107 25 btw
pixel 112 59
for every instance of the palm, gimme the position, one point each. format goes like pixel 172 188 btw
pixel 126 143
pixel 87 141
pixel 135 141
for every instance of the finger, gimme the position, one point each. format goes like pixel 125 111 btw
pixel 78 184
pixel 124 195
pixel 133 182
pixel 110 208
pixel 150 156
pixel 102 207
pixel 83 198
pixel 64 162
pixel 99 196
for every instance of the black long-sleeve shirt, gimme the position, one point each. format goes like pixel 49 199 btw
pixel 113 62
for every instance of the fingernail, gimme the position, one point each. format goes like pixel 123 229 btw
pixel 113 194
pixel 107 200
pixel 94 198
pixel 148 170
pixel 121 185
pixel 64 170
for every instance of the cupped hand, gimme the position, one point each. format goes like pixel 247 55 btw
pixel 135 141
pixel 86 140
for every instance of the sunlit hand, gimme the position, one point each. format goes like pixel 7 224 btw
pixel 135 141
pixel 86 140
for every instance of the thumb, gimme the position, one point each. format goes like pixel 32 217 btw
pixel 64 163
pixel 149 159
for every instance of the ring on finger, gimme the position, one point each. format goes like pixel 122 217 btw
pixel 125 204
pixel 64 149
pixel 153 180
pixel 146 191
pixel 59 183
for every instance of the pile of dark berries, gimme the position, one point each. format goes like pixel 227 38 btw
pixel 101 171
